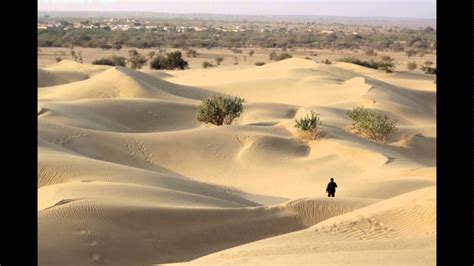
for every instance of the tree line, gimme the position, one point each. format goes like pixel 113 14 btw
pixel 414 41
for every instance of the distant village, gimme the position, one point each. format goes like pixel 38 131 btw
pixel 113 24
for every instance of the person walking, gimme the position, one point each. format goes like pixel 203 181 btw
pixel 331 188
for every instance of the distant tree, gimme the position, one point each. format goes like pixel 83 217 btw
pixel 428 29
pixel 412 66
pixel 309 124
pixel 79 57
pixel 206 64
pixel 387 64
pixel 73 54
pixel 219 60
pixel 251 52
pixel 136 60
pixel 220 109
pixel 111 61
pixel 58 59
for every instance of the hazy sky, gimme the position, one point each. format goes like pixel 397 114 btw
pixel 364 8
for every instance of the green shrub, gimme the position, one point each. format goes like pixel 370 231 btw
pixel 259 63
pixel 206 64
pixel 371 123
pixel 220 109
pixel 309 124
pixel 111 61
pixel 136 60
pixel 171 61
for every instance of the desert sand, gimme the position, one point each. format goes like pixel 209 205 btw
pixel 127 176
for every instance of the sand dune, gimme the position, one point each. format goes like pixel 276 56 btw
pixel 401 230
pixel 127 176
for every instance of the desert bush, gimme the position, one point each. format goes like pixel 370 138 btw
pixel 171 61
pixel 206 64
pixel 237 51
pixel 370 52
pixel 151 54
pixel 219 60
pixel 251 52
pixel 220 109
pixel 412 66
pixel 259 63
pixel 428 63
pixel 428 69
pixel 106 47
pixel 327 62
pixel 191 53
pixel 371 123
pixel 111 61
pixel 385 64
pixel 58 59
pixel 117 46
pixel 309 124
pixel 410 52
pixel 136 60
pixel 277 57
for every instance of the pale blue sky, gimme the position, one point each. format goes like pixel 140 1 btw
pixel 362 8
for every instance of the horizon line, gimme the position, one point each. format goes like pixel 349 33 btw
pixel 231 14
